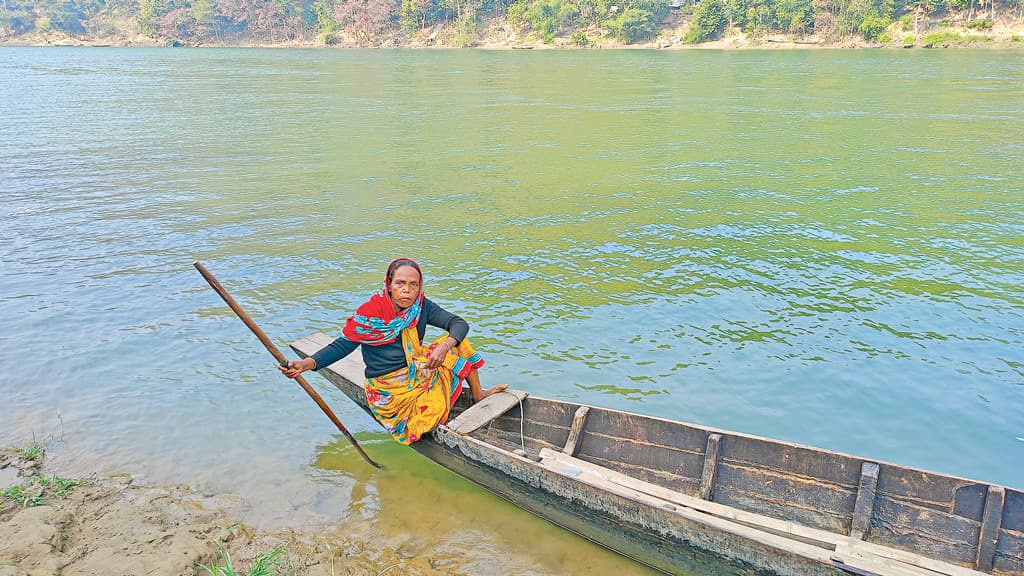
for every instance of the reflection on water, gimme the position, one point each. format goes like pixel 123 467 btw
pixel 744 240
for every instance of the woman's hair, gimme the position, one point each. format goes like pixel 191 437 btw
pixel 398 264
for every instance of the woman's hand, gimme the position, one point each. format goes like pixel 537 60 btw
pixel 438 353
pixel 296 367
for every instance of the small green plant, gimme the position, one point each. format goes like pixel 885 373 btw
pixel 885 38
pixel 262 565
pixel 34 452
pixel 23 495
pixel 579 38
pixel 61 486
pixel 330 550
pixel 982 24
pixel 908 40
pixel 34 490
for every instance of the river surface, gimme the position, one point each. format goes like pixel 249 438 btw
pixel 825 247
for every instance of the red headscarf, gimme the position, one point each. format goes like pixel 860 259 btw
pixel 376 322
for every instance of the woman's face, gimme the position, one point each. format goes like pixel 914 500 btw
pixel 405 286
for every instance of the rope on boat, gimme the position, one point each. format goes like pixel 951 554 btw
pixel 522 418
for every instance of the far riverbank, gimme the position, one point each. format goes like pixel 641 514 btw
pixel 1005 33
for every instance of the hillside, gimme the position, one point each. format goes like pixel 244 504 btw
pixel 533 24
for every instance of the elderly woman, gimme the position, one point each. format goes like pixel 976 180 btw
pixel 410 387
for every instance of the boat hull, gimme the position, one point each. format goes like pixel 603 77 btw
pixel 686 499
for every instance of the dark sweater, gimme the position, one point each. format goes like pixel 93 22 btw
pixel 387 358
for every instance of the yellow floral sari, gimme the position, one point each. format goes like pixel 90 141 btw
pixel 412 401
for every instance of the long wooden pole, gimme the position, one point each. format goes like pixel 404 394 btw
pixel 281 359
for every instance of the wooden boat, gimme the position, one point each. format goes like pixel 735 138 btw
pixel 674 495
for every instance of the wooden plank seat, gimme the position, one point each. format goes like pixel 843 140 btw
pixel 481 413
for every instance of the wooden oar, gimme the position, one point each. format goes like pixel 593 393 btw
pixel 279 357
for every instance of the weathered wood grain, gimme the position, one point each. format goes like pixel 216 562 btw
pixel 828 467
pixel 991 524
pixel 671 545
pixel 932 490
pixel 864 506
pixel 647 430
pixel 923 529
pixel 969 500
pixel 851 552
pixel 1009 556
pixel 540 430
pixel 857 547
pixel 513 441
pixel 816 537
pixel 578 420
pixel 1013 510
pixel 684 484
pixel 805 499
pixel 710 471
pixel 552 413
pixel 638 453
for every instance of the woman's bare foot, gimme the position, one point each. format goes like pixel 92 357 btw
pixel 477 390
pixel 485 393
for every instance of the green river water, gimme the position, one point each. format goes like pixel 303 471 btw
pixel 825 247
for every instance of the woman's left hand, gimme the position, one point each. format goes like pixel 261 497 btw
pixel 437 355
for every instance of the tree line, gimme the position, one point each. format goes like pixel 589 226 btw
pixel 396 22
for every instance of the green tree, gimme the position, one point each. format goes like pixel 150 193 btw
pixel 326 24
pixel 872 26
pixel 465 28
pixel 708 21
pixel 150 12
pixel 409 16
pixel 657 8
pixel 543 16
pixel 634 25
pixel 204 12
pixel 760 17
pixel 794 16
pixel 516 13
pixel 921 9
pixel 587 10
pixel 736 12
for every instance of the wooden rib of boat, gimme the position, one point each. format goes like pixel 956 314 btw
pixel 669 494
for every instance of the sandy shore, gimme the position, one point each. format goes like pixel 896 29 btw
pixel 113 526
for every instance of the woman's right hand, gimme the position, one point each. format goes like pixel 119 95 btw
pixel 296 367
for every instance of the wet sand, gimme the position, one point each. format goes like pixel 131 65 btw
pixel 115 527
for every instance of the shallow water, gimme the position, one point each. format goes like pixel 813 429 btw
pixel 820 246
